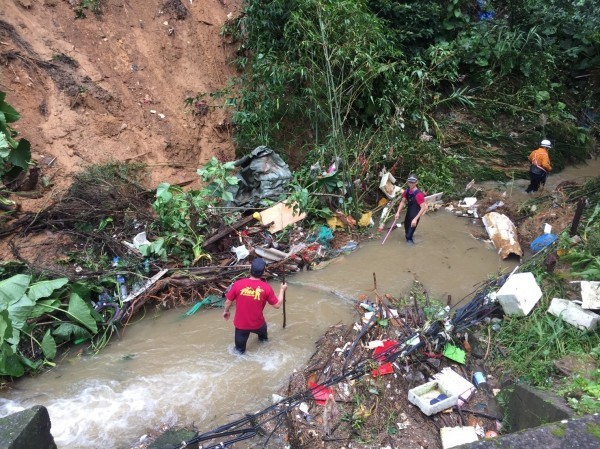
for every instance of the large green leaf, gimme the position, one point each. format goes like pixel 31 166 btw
pixel 68 331
pixel 21 156
pixel 80 311
pixel 163 193
pixel 45 306
pixel 44 289
pixel 9 362
pixel 12 289
pixel 20 311
pixel 49 346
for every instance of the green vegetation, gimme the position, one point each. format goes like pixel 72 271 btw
pixel 558 431
pixel 594 429
pixel 36 317
pixel 583 392
pixel 434 87
pixel 91 5
pixel 185 216
pixel 15 155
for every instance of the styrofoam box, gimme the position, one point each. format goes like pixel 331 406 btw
pixel 422 395
pixel 519 294
pixel 457 436
pixel 455 383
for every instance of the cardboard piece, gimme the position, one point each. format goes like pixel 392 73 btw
pixel 280 215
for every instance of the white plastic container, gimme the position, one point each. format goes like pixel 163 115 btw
pixel 422 396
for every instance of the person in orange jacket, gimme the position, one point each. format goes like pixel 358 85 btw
pixel 540 166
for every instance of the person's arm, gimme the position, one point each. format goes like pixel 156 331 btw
pixel 400 207
pixel 282 290
pixel 422 211
pixel 226 313
pixel 545 163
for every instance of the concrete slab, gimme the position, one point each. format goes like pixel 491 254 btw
pixel 579 433
pixel 574 314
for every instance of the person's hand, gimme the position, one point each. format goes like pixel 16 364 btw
pixel 283 287
pixel 226 315
pixel 413 223
pixel 397 215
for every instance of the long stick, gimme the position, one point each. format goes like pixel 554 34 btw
pixel 389 232
pixel 284 316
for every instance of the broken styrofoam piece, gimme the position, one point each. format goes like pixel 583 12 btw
pixel 423 396
pixel 519 294
pixel 503 234
pixel 139 240
pixel 456 436
pixel 468 201
pixel 387 185
pixel 455 383
pixel 590 294
pixel 573 314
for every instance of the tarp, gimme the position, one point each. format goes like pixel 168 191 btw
pixel 263 175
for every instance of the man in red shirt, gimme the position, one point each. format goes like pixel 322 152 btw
pixel 251 295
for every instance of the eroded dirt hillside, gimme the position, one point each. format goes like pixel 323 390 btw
pixel 112 86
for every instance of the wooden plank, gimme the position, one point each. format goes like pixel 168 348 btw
pixel 281 215
pixel 219 235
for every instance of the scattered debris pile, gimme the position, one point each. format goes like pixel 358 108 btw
pixel 364 381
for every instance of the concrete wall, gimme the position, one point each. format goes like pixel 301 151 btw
pixel 578 433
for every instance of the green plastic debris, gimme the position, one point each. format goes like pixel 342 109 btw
pixel 455 353
pixel 209 300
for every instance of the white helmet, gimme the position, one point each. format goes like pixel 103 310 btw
pixel 546 143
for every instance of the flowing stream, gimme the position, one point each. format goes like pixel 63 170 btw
pixel 168 370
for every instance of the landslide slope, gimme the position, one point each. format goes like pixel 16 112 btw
pixel 111 86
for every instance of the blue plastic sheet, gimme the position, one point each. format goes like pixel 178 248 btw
pixel 542 242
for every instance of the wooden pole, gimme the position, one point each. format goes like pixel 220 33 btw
pixel 577 217
pixel 284 315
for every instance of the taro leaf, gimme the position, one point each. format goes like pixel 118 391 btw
pixel 19 312
pixel 80 311
pixel 5 326
pixel 10 114
pixel 21 156
pixel 49 346
pixel 45 306
pixel 44 289
pixel 12 289
pixel 9 362
pixel 68 331
pixel 162 191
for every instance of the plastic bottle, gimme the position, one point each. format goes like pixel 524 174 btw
pixel 491 407
pixel 122 287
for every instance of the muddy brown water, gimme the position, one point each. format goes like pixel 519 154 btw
pixel 169 370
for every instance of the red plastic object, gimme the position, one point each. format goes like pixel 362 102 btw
pixel 386 368
pixel 378 353
pixel 319 392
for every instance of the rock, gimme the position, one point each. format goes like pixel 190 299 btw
pixel 27 429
